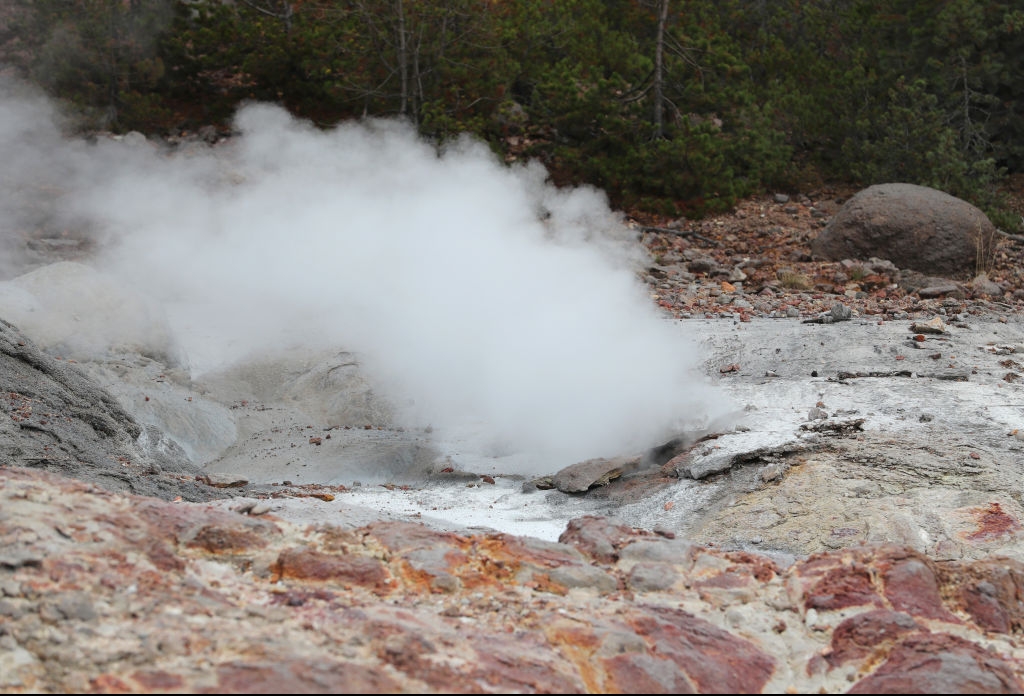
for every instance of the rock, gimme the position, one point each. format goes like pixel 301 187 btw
pixel 817 413
pixel 703 264
pixel 935 325
pixel 838 312
pixel 223 480
pixel 133 138
pixel 941 289
pixel 397 607
pixel 582 476
pixel 981 285
pixel 703 466
pixel 941 663
pixel 56 418
pixel 912 226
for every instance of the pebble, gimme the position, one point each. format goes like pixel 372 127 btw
pixel 218 480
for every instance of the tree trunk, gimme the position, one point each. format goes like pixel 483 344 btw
pixel 403 59
pixel 659 71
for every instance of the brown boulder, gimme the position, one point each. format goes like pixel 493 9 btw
pixel 915 227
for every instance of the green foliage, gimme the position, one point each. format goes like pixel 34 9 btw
pixel 99 54
pixel 748 95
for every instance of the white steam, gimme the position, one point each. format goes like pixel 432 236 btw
pixel 476 294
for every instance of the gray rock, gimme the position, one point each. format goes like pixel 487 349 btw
pixel 703 466
pixel 652 577
pixel 702 264
pixel 58 419
pixel 940 289
pixel 583 576
pixel 983 286
pixel 913 226
pixel 678 552
pixel 76 606
pixel 582 476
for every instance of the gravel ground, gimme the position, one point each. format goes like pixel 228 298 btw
pixel 755 262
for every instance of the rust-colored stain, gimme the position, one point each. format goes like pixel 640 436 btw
pixel 992 522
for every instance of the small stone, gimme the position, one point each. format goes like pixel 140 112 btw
pixel 771 472
pixel 935 325
pixel 664 532
pixel 817 414
pixel 840 312
pixel 218 480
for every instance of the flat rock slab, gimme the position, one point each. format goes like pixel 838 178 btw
pixel 902 445
pixel 581 477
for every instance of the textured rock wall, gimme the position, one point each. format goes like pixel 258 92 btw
pixel 106 592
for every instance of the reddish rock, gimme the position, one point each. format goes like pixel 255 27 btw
pixel 222 538
pixel 306 564
pixel 940 663
pixel 398 537
pixel 863 634
pixel 526 662
pixel 109 684
pixel 437 569
pixel 712 659
pixel 522 552
pixel 760 568
pixel 301 677
pixel 911 586
pixel 640 673
pixel 598 537
pixel 841 587
pixel 523 665
pixel 86 563
pixel 982 603
pixel 990 591
pixel 162 555
pixel 158 680
pixel 176 522
pixel 726 581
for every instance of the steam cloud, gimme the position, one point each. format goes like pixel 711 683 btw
pixel 474 293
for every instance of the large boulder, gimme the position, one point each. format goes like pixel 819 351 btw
pixel 915 227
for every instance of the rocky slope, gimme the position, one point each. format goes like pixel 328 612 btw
pixel 106 590
pixel 108 593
